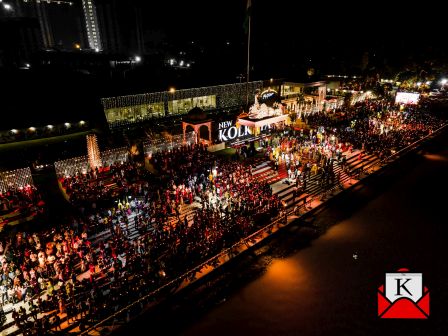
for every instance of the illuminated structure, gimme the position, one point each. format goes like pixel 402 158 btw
pixel 80 164
pixel 93 152
pixel 164 142
pixel 15 179
pixel 196 119
pixel 92 26
pixel 266 105
pixel 125 111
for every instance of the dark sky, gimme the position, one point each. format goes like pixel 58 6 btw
pixel 298 31
pixel 292 34
pixel 288 37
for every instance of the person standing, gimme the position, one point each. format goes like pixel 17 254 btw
pixel 16 318
pixel 4 293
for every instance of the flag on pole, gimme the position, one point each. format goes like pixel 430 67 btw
pixel 248 15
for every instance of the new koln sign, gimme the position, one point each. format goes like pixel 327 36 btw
pixel 228 131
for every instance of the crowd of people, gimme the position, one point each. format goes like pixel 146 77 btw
pixel 15 198
pixel 227 204
pixel 104 184
pixel 381 127
pixel 18 203
pixel 377 127
pixel 197 205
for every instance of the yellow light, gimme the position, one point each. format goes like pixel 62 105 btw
pixel 77 46
pixel 172 90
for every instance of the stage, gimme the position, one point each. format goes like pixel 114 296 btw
pixel 258 123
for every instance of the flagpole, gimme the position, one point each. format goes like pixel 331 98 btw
pixel 248 62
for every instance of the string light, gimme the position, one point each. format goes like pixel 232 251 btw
pixel 114 155
pixel 71 167
pixel 81 164
pixel 161 143
pixel 93 151
pixel 124 111
pixel 15 179
pixel 59 2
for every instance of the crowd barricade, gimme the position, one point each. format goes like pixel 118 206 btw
pixel 168 142
pixel 71 167
pixel 81 165
pixel 15 179
pixel 114 155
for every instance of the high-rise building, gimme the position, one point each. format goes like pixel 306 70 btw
pixel 55 17
pixel 19 41
pixel 38 10
pixel 109 26
pixel 92 25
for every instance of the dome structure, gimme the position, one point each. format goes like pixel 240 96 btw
pixel 196 114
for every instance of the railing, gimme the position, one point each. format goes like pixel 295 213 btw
pixel 414 144
pixel 280 221
pixel 175 282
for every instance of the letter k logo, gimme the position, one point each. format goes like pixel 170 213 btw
pixel 402 285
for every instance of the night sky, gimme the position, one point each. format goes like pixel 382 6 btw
pixel 288 37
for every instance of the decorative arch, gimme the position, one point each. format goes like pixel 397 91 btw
pixel 196 127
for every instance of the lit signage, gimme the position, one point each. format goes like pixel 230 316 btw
pixel 229 132
pixel 268 97
pixel 407 98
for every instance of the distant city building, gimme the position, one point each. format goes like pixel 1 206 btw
pixel 39 11
pixel 110 26
pixel 19 40
pixel 92 25
pixel 52 15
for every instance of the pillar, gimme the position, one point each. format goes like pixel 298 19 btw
pixel 209 125
pixel 184 128
pixel 196 130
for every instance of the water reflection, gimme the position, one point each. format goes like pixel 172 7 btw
pixel 285 272
pixel 435 157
